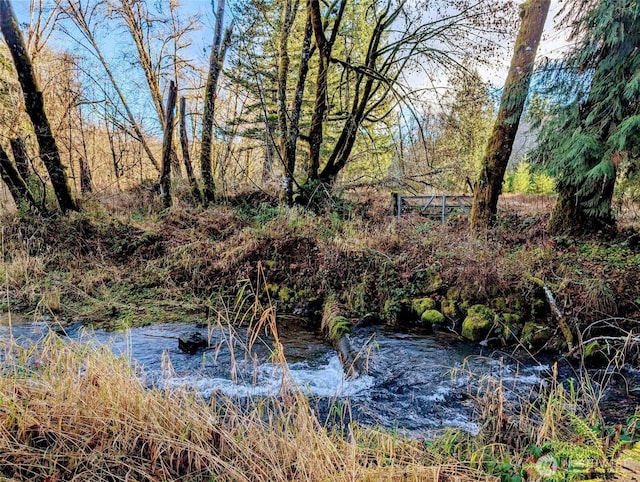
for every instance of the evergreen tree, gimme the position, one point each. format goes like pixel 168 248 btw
pixel 594 118
pixel 465 127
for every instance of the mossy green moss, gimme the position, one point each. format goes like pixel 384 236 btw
pixel 285 294
pixel 433 283
pixel 338 327
pixel 478 322
pixel 432 317
pixel 420 305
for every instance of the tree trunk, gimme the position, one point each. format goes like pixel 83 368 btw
pixel 325 47
pixel 20 156
pixel 184 142
pixel 216 60
pixel 485 203
pixel 569 217
pixel 86 185
pixel 35 108
pixel 17 187
pixel 167 144
pixel 290 131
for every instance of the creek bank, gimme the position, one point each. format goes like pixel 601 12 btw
pixel 134 268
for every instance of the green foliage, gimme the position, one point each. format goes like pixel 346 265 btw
pixel 525 179
pixel 463 130
pixel 593 120
pixel 521 178
pixel 338 327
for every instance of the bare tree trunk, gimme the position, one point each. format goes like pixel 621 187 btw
pixel 35 108
pixel 17 187
pixel 325 46
pixel 184 142
pixel 167 144
pixel 216 60
pixel 20 156
pixel 86 185
pixel 485 203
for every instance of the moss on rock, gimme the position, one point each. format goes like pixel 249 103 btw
pixel 420 305
pixel 478 322
pixel 432 317
pixel 512 325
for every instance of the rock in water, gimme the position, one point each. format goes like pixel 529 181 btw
pixel 190 342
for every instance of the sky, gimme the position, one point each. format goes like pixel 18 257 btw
pixel 552 46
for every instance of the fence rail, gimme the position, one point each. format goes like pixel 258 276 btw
pixel 434 206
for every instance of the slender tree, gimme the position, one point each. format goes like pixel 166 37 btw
pixel 533 14
pixel 20 155
pixel 35 107
pixel 167 145
pixel 184 143
pixel 216 59
pixel 86 184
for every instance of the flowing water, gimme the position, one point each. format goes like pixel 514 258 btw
pixel 417 383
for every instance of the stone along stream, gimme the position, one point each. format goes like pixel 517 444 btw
pixel 417 383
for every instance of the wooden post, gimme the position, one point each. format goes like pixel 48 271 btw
pixel 165 177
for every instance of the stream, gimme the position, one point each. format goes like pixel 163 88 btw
pixel 417 383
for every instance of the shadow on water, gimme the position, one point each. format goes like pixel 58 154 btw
pixel 417 383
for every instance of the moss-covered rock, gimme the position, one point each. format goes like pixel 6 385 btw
pixel 432 317
pixel 420 305
pixel 454 294
pixel 535 335
pixel 478 322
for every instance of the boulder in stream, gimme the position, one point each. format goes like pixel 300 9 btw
pixel 190 341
